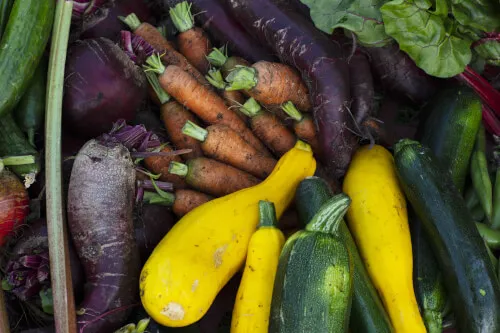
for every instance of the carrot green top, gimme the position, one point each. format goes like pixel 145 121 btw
pixel 181 16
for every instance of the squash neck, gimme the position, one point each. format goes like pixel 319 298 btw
pixel 267 214
pixel 330 215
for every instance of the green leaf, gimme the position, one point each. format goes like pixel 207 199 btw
pixel 47 301
pixel 6 285
pixel 478 14
pixel 489 50
pixel 429 39
pixel 362 17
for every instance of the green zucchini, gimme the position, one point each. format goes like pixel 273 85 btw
pixel 22 47
pixel 14 143
pixel 454 116
pixel 427 278
pixel 30 111
pixel 5 7
pixel 468 272
pixel 313 284
pixel 367 314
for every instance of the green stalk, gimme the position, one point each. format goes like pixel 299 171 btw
pixel 292 111
pixel 217 57
pixel 242 78
pixel 16 160
pixel 163 96
pixel 330 215
pixel 251 108
pixel 164 199
pixel 154 64
pixel 495 218
pixel 181 16
pixel 132 21
pixel 5 7
pixel 267 214
pixel 62 289
pixel 177 168
pixel 480 175
pixel 195 131
pixel 215 78
pixel 490 236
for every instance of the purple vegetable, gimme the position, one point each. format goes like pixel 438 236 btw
pixel 102 85
pixel 399 74
pixel 99 18
pixel 137 49
pixel 298 43
pixel 215 19
pixel 100 205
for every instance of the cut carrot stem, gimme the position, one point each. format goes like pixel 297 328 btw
pixel 160 164
pixel 232 98
pixel 217 57
pixel 182 201
pixel 303 126
pixel 178 169
pixel 214 76
pixel 162 95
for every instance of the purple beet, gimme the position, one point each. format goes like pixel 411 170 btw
pixel 102 85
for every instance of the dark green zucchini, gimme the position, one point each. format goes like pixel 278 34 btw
pixel 427 278
pixel 30 111
pixel 454 116
pixel 468 272
pixel 5 7
pixel 13 142
pixel 313 284
pixel 22 47
pixel 367 313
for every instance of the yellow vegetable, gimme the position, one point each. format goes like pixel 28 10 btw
pixel 253 301
pixel 378 221
pixel 208 245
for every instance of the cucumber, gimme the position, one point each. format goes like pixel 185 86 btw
pixel 30 111
pixel 5 7
pixel 367 313
pixel 313 284
pixel 14 143
pixel 427 278
pixel 468 272
pixel 454 117
pixel 22 47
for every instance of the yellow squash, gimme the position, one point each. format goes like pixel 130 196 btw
pixel 208 246
pixel 378 221
pixel 253 300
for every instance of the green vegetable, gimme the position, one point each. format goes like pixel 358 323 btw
pixel 367 314
pixel 481 15
pixel 490 236
pixel 313 285
pixel 459 249
pixel 22 47
pixel 362 17
pixel 495 218
pixel 480 175
pixel 489 50
pixel 5 7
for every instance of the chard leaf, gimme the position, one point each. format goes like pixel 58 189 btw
pixel 362 17
pixel 429 38
pixel 478 14
pixel 489 50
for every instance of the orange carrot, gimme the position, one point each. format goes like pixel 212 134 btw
pixel 304 126
pixel 182 201
pixel 198 98
pixel 213 177
pixel 160 164
pixel 223 144
pixel 270 83
pixel 193 42
pixel 219 59
pixel 268 127
pixel 154 37
pixel 174 116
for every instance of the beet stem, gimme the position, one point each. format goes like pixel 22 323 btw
pixel 148 185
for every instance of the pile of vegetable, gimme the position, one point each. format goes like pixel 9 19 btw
pixel 249 166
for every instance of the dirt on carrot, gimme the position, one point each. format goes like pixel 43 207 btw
pixel 187 200
pixel 159 165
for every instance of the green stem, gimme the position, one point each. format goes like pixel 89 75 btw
pixel 251 108
pixel 495 218
pixel 153 198
pixel 62 289
pixel 330 215
pixel 242 78
pixel 292 111
pixel 163 96
pixel 267 214
pixel 433 321
pixel 163 30
pixel 154 64
pixel 480 175
pixel 217 57
pixel 131 20
pixel 181 16
pixel 490 236
pixel 214 76
pixel 177 168
pixel 16 160
pixel 194 131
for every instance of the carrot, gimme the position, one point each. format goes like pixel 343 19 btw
pixel 303 126
pixel 213 177
pixel 268 127
pixel 182 201
pixel 270 83
pixel 233 98
pixel 219 59
pixel 204 102
pixel 160 164
pixel 192 41
pixel 155 38
pixel 223 144
pixel 174 116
